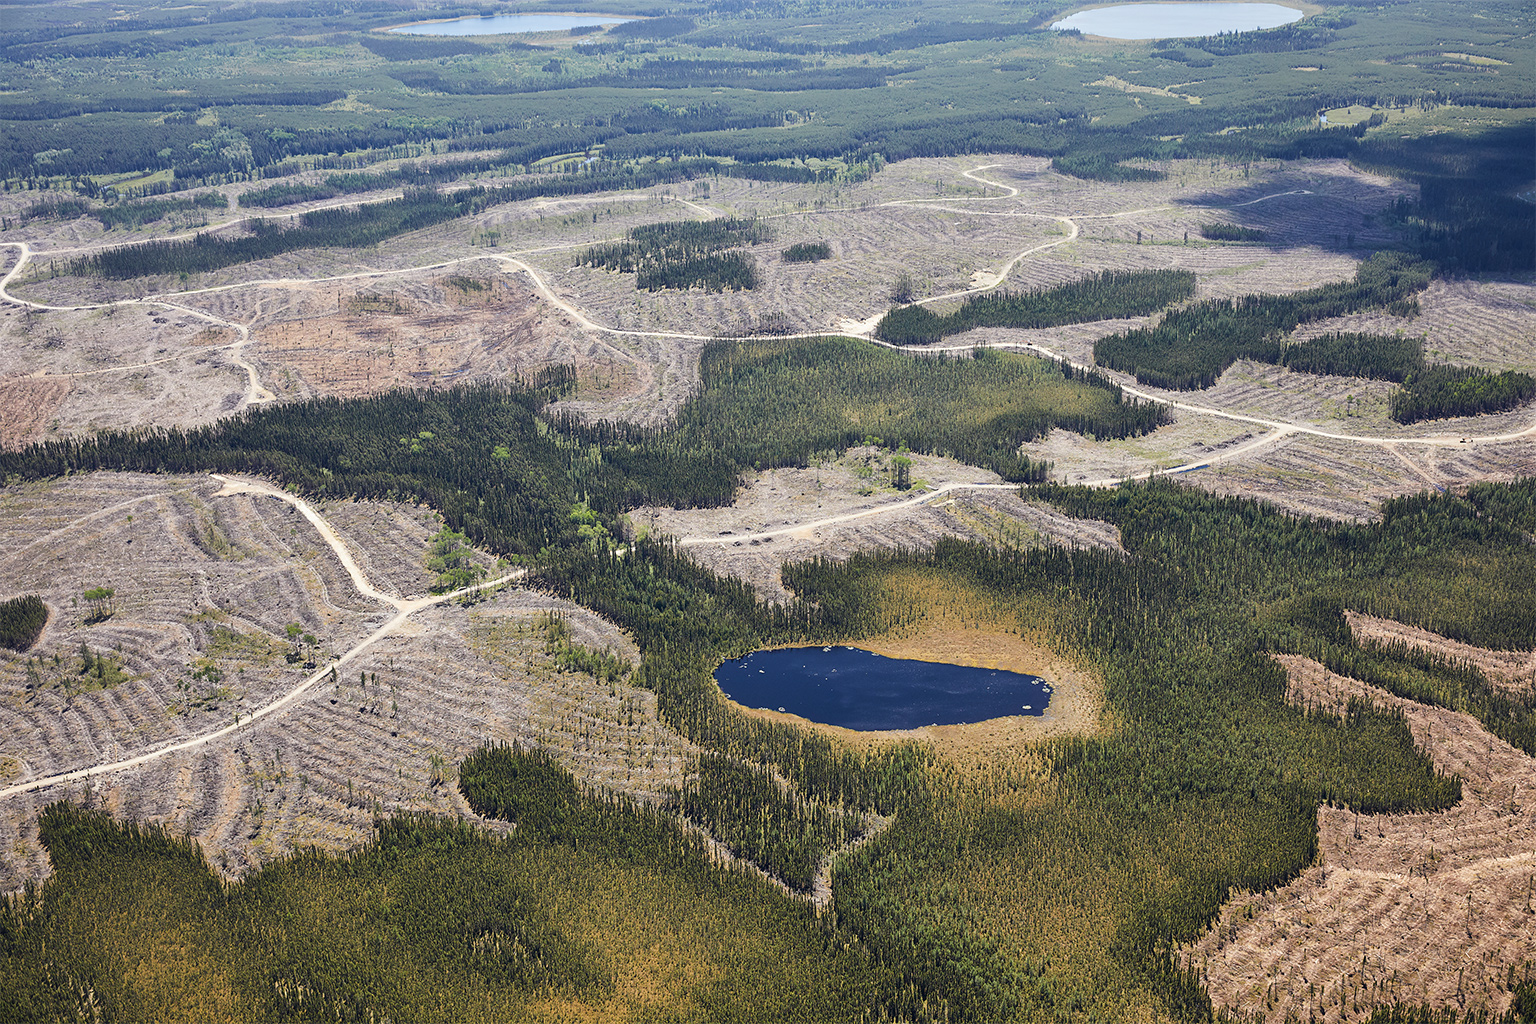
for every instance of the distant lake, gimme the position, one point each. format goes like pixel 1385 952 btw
pixel 1177 21
pixel 856 689
pixel 505 24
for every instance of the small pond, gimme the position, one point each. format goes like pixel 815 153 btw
pixel 856 689
pixel 505 24
pixel 1177 21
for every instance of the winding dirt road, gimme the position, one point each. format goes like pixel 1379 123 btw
pixel 982 281
pixel 404 608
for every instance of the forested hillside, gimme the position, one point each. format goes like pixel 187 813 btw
pixel 1107 296
pixel 1191 346
pixel 976 873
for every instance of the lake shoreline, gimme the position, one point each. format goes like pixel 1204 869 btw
pixel 595 19
pixel 1075 708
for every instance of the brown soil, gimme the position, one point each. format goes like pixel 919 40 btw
pixel 1514 669
pixel 1416 907
pixel 204 581
pixel 428 332
pixel 27 406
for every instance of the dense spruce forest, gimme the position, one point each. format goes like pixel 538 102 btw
pixel 1050 885
pixel 1109 295
pixel 21 621
pixel 1210 781
pixel 1232 233
pixel 807 252
pixel 1191 346
pixel 1438 392
pixel 684 254
pixel 781 403
pixel 1372 356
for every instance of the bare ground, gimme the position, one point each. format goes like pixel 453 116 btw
pixel 1514 669
pixel 1416 907
pixel 1343 480
pixel 793 503
pixel 204 581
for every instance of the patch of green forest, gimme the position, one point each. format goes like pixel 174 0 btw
pixel 132 215
pixel 1105 296
pixel 807 252
pixel 684 254
pixel 21 621
pixel 761 819
pixel 1231 233
pixel 778 403
pixel 586 903
pixel 1191 346
pixel 1372 356
pixel 1439 392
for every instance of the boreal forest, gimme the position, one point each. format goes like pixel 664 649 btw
pixel 409 410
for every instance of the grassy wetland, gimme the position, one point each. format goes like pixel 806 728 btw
pixel 397 431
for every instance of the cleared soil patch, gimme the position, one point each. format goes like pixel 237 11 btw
pixel 1514 669
pixel 205 589
pixel 1417 907
pixel 434 332
pixel 91 369
pixel 27 406
pixel 793 503
pixel 1345 480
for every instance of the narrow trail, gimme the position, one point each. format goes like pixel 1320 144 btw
pixel 983 281
pixel 808 529
pixel 404 609
pixel 255 393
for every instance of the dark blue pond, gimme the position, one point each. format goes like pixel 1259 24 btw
pixel 856 689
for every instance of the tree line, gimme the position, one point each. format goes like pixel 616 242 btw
pixel 684 254
pixel 21 621
pixel 1192 346
pixel 1105 296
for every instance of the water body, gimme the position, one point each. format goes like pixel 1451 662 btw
pixel 1177 21
pixel 506 24
pixel 856 689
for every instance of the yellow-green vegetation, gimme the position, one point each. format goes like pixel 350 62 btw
pixel 258 648
pixel 451 557
pixel 777 403
pixel 87 670
pixel 608 913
